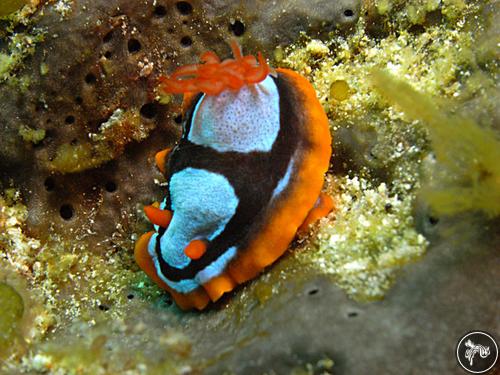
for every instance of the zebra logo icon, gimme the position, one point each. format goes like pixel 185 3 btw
pixel 477 352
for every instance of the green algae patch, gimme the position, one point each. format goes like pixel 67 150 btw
pixel 11 313
pixel 19 47
pixel 34 136
pixel 339 90
pixel 466 173
pixel 121 128
pixel 10 6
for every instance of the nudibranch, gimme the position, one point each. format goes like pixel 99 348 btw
pixel 244 178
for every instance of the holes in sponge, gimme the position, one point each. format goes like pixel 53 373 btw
pixel 237 28
pixel 133 45
pixel 149 110
pixel 348 13
pixel 49 184
pixel 160 11
pixel 433 220
pixel 186 41
pixel 40 106
pixel 313 291
pixel 110 186
pixel 90 78
pixel 69 119
pixel 66 211
pixel 103 307
pixel 107 38
pixel 178 119
pixel 184 7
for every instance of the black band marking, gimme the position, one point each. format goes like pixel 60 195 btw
pixel 254 176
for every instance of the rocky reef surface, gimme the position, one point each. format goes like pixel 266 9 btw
pixel 387 283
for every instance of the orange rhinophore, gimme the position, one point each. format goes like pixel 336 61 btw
pixel 213 76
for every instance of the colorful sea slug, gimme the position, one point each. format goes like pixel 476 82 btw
pixel 245 176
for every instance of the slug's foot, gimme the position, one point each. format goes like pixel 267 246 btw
pixel 219 285
pixel 142 256
pixel 323 206
pixel 161 159
pixel 157 216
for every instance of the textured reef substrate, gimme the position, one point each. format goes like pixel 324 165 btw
pixel 387 283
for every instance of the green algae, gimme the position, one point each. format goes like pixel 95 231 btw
pixel 11 313
pixel 89 352
pixel 121 128
pixel 19 47
pixel 466 175
pixel 34 136
pixel 10 6
pixel 339 90
pixel 400 14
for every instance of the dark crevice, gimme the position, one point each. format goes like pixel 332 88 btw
pixel 107 38
pixel 178 119
pixel 49 184
pixel 312 292
pixel 348 13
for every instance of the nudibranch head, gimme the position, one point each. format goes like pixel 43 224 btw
pixel 214 76
pixel 245 176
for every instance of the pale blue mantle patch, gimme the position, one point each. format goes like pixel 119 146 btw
pixel 202 203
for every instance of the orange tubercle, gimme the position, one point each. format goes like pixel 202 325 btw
pixel 158 216
pixel 196 249
pixel 161 159
pixel 213 76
